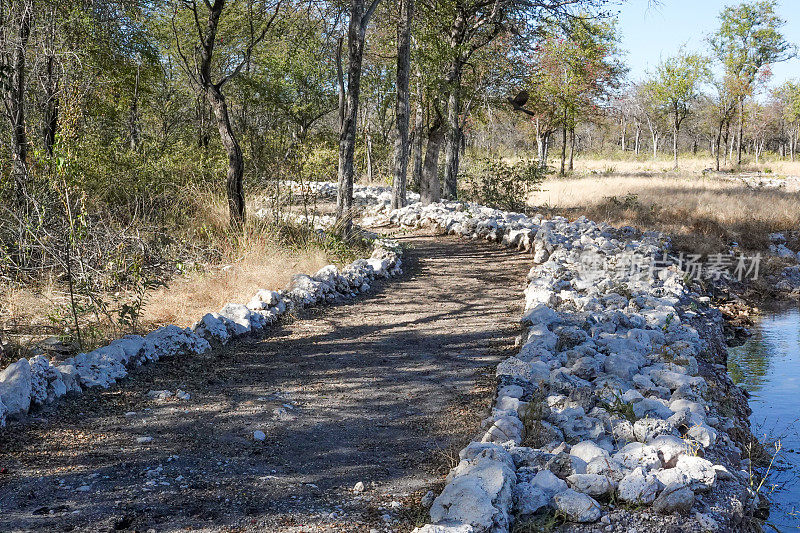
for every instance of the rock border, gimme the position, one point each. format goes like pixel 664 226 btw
pixel 603 418
pixel 36 381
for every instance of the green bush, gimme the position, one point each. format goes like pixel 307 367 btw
pixel 495 183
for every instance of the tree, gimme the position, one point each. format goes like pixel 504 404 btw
pixel 788 98
pixel 724 104
pixel 675 86
pixel 255 21
pixel 360 15
pixel 575 69
pixel 747 42
pixel 16 31
pixel 403 108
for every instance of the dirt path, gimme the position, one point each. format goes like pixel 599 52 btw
pixel 375 390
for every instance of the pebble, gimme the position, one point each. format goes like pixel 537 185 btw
pixel 144 440
pixel 259 435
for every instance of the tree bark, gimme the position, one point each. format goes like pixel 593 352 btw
pixel 368 154
pixel 741 131
pixel 430 188
pixel 403 109
pixel 675 130
pixel 51 107
pixel 545 148
pixel 571 148
pixel 453 145
pixel 134 118
pixel 718 141
pixel 16 101
pixel 564 144
pixel 419 140
pixel 357 29
pixel 235 176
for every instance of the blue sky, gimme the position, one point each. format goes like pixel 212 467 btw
pixel 650 32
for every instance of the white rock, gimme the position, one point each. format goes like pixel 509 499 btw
pixel 357 488
pixel 577 507
pixel 528 499
pixel 638 487
pixel 464 501
pixel 548 483
pixel 594 485
pixel 15 387
pixel 670 448
pixel 647 429
pixel 636 454
pixel 698 471
pixel 588 450
pixel 706 522
pixel 674 498
pixel 462 528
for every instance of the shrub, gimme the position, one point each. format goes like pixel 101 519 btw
pixel 495 183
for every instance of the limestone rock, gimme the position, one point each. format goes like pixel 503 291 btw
pixel 639 488
pixel 675 498
pixel 577 507
pixel 594 485
pixel 15 387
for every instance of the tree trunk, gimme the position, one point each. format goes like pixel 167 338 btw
pixel 655 145
pixel 637 139
pixel 564 144
pixel 368 155
pixel 546 148
pixel 357 29
pixel 719 139
pixel 741 131
pixel 676 128
pixel 403 109
pixel 134 118
pixel 571 148
pixel 16 102
pixel 540 146
pixel 234 184
pixel 419 140
pixel 430 188
pixel 50 126
pixel 452 148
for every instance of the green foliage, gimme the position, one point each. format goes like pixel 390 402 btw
pixel 748 41
pixel 495 183
pixel 675 85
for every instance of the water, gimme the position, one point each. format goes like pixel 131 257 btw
pixel 768 366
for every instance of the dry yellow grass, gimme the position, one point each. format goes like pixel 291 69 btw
pixel 687 165
pixel 704 214
pixel 256 259
pixel 266 266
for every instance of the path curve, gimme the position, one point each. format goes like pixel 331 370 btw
pixel 381 389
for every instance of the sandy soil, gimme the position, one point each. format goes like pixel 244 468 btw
pixel 379 390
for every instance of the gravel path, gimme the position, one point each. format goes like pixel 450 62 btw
pixel 376 390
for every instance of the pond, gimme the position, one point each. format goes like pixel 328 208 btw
pixel 768 366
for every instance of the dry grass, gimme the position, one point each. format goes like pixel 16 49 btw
pixel 230 268
pixel 703 214
pixel 264 265
pixel 687 165
pixel 258 260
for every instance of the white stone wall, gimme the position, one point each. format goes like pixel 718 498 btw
pixel 607 378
